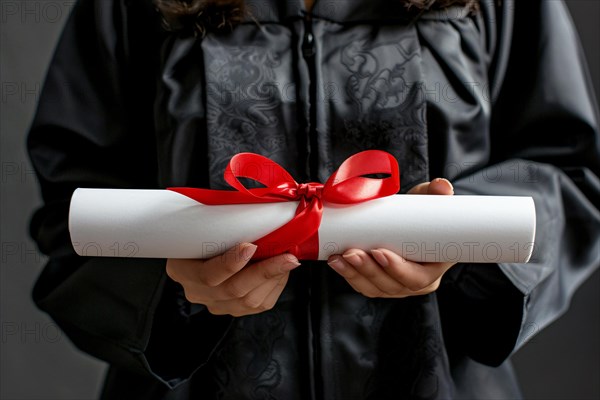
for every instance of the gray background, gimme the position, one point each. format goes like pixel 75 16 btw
pixel 38 361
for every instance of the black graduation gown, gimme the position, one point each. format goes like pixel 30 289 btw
pixel 499 103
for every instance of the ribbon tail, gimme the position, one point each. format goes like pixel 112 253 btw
pixel 308 249
pixel 299 236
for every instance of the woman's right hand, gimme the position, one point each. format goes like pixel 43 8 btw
pixel 228 284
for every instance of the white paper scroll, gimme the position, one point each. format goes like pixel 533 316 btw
pixel 166 224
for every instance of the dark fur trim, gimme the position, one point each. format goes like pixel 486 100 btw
pixel 199 16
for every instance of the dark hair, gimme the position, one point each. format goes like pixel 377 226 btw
pixel 199 16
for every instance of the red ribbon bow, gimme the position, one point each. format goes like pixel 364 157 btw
pixel 299 236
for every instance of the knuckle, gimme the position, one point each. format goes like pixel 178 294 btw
pixel 351 274
pixel 172 272
pixel 416 285
pixel 250 302
pixel 370 274
pixel 262 307
pixel 231 259
pixel 371 294
pixel 214 310
pixel 233 290
pixel 236 314
pixel 209 281
pixel 434 286
pixel 226 258
pixel 368 292
pixel 190 296
pixel 282 282
pixel 268 273
pixel 396 295
pixel 230 268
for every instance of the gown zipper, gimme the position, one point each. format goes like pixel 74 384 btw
pixel 308 53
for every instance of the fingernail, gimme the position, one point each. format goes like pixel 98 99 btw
pixel 450 183
pixel 248 251
pixel 447 181
pixel 380 257
pixel 290 265
pixel 336 263
pixel 353 259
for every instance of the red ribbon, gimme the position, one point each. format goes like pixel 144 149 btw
pixel 299 236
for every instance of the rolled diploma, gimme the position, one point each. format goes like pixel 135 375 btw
pixel 424 228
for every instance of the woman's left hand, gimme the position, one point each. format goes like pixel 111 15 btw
pixel 384 273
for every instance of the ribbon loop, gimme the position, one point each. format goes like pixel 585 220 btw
pixel 299 236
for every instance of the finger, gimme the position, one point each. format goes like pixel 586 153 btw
pixel 257 274
pixel 437 186
pixel 440 186
pixel 372 271
pixel 271 298
pixel 442 266
pixel 413 275
pixel 216 270
pixel 184 271
pixel 260 299
pixel 421 188
pixel 426 290
pixel 358 282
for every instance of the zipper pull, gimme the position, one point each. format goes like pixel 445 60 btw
pixel 308 44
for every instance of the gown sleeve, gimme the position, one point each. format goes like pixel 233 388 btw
pixel 94 128
pixel 545 144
